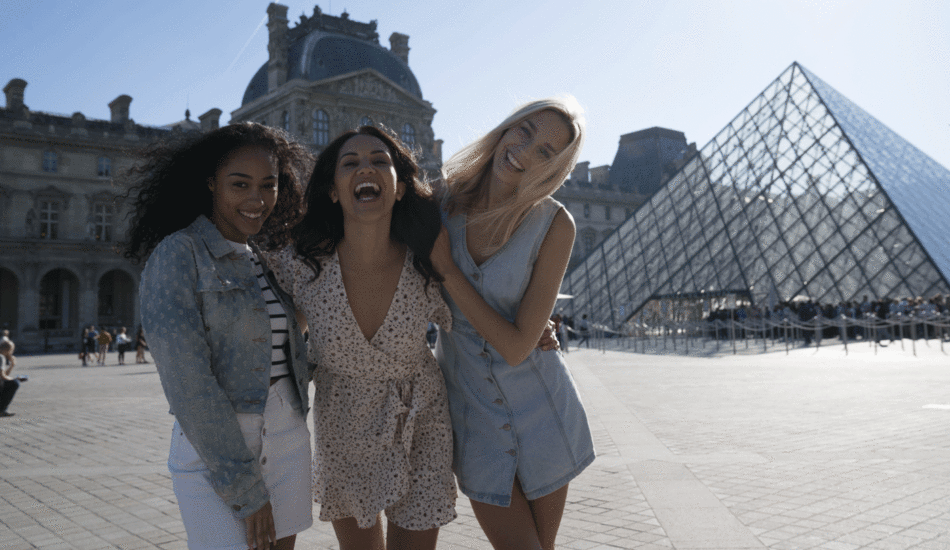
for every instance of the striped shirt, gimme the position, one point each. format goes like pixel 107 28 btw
pixel 278 317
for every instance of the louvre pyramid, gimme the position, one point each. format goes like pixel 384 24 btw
pixel 803 193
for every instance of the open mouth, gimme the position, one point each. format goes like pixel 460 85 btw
pixel 251 215
pixel 367 191
pixel 513 161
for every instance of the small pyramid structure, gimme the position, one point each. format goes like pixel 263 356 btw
pixel 802 194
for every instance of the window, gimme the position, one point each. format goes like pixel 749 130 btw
pixel 408 135
pixel 105 167
pixel 321 127
pixel 607 212
pixel 586 210
pixel 285 121
pixel 49 219
pixel 102 222
pixel 589 243
pixel 50 161
pixel 366 121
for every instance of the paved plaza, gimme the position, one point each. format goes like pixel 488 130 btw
pixel 813 448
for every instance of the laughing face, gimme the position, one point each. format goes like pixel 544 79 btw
pixel 365 182
pixel 244 192
pixel 530 143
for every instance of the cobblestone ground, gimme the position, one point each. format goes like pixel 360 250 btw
pixel 810 449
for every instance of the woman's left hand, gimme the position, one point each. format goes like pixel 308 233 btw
pixel 548 339
pixel 261 533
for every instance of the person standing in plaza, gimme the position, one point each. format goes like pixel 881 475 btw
pixel 359 270
pixel 92 345
pixel 227 346
pixel 521 432
pixel 7 347
pixel 584 328
pixel 140 345
pixel 122 344
pixel 9 385
pixel 104 339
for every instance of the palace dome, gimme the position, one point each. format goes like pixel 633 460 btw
pixel 319 55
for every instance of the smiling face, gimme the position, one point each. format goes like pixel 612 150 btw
pixel 243 192
pixel 365 183
pixel 530 143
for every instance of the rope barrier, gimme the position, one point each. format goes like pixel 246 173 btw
pixel 871 329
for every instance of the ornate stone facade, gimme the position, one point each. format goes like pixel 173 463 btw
pixel 329 74
pixel 61 217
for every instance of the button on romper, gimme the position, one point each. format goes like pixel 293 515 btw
pixel 527 419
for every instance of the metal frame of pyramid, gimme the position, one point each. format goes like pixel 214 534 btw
pixel 802 193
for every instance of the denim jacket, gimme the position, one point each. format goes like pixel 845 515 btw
pixel 209 332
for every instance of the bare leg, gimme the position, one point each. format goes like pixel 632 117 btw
pixel 510 528
pixel 547 512
pixel 398 538
pixel 286 543
pixel 351 537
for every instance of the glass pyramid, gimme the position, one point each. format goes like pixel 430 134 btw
pixel 802 194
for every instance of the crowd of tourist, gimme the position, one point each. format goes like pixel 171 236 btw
pixel 881 319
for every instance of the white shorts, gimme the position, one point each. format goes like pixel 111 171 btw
pixel 209 522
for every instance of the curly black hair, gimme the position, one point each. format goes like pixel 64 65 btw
pixel 169 186
pixel 416 219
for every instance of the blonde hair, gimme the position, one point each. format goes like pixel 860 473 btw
pixel 465 172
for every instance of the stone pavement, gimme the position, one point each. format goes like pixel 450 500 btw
pixel 811 449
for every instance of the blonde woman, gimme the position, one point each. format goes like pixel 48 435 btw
pixel 521 433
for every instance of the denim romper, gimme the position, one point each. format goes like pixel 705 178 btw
pixel 525 420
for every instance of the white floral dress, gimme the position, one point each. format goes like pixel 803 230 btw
pixel 383 436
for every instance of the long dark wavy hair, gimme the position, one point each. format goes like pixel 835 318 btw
pixel 416 219
pixel 169 186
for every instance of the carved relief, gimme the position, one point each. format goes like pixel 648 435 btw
pixel 370 87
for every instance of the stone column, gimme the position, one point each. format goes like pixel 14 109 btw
pixel 88 295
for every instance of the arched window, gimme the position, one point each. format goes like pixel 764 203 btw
pixel 366 121
pixel 607 212
pixel 586 210
pixel 285 121
pixel 9 298
pixel 104 167
pixel 116 299
pixel 59 297
pixel 321 127
pixel 408 134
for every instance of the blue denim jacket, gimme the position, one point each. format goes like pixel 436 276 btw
pixel 209 332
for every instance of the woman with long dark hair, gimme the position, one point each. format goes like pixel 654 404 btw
pixel 228 349
pixel 359 269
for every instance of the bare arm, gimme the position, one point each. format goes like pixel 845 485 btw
pixel 514 341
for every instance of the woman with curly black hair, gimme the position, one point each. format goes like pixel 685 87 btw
pixel 359 269
pixel 229 351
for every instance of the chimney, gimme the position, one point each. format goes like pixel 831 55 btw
pixel 209 120
pixel 14 91
pixel 120 109
pixel 399 45
pixel 276 46
pixel 600 175
pixel 580 172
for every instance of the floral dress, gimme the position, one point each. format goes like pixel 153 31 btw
pixel 383 436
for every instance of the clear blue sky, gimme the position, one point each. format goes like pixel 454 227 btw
pixel 686 65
